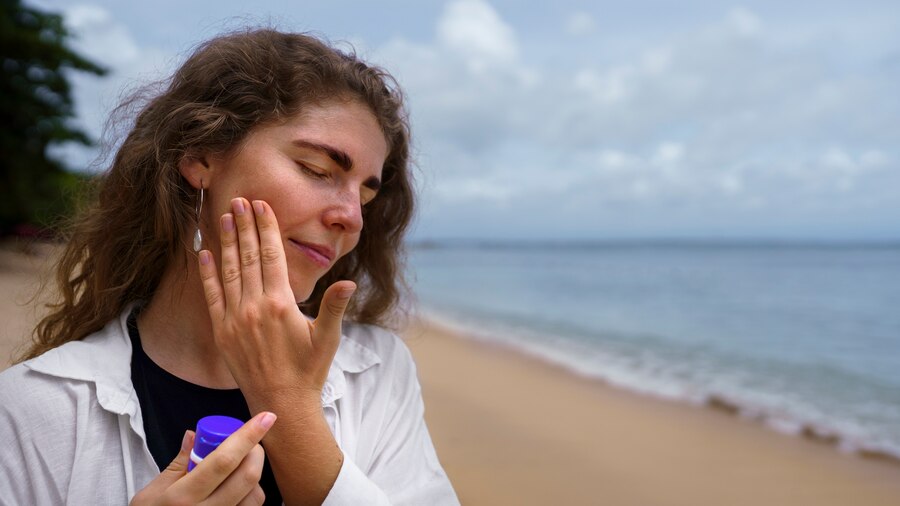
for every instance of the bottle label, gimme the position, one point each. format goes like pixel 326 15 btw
pixel 195 460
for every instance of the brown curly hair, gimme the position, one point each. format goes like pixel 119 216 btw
pixel 136 226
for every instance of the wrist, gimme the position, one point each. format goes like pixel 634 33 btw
pixel 298 403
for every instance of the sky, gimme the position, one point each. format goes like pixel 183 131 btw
pixel 577 120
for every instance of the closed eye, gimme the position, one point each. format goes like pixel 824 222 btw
pixel 312 172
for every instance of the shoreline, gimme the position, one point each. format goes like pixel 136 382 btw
pixel 713 402
pixel 791 427
pixel 512 428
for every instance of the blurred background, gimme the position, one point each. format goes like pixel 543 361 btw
pixel 587 120
pixel 695 200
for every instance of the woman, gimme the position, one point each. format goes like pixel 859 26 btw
pixel 238 198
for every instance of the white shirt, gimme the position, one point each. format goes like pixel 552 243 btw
pixel 71 430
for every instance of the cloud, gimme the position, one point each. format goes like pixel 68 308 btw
pixel 745 22
pixel 469 84
pixel 98 36
pixel 712 123
pixel 607 87
pixel 580 23
pixel 474 30
pixel 743 124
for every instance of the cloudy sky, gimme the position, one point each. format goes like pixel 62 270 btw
pixel 591 120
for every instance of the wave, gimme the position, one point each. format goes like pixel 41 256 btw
pixel 696 382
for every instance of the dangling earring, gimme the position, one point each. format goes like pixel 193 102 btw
pixel 198 238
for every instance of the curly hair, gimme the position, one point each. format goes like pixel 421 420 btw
pixel 135 227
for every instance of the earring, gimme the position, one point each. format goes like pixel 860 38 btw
pixel 198 237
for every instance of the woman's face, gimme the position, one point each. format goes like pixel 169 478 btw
pixel 316 171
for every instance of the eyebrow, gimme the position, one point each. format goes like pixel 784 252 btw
pixel 339 157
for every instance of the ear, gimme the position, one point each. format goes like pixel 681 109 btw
pixel 195 169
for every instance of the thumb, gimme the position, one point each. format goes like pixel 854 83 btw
pixel 178 466
pixel 331 311
pixel 176 469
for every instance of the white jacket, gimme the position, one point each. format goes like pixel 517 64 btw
pixel 71 430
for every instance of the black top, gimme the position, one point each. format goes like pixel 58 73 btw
pixel 171 405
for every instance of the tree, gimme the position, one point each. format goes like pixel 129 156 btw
pixel 35 109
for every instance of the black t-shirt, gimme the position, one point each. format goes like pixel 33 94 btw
pixel 171 405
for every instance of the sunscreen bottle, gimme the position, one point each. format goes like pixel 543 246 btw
pixel 211 431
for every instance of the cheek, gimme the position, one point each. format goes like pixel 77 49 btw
pixel 293 202
pixel 211 226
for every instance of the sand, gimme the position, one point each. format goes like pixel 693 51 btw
pixel 513 430
pixel 510 429
pixel 20 278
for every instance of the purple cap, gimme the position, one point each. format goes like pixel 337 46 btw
pixel 211 431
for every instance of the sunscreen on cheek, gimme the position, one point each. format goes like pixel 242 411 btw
pixel 211 432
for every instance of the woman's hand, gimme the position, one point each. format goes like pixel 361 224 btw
pixel 279 359
pixel 228 475
pixel 274 352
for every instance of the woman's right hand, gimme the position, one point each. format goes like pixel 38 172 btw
pixel 229 475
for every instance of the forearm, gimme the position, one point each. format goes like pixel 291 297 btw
pixel 303 453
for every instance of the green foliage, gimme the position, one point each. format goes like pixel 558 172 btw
pixel 35 107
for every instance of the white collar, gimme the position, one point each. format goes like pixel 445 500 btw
pixel 104 358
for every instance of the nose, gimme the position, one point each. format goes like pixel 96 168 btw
pixel 346 213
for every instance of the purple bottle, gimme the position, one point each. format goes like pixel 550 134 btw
pixel 211 431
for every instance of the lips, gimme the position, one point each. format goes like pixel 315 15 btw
pixel 320 254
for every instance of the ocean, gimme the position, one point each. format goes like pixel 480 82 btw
pixel 804 338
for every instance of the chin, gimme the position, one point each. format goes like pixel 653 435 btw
pixel 303 294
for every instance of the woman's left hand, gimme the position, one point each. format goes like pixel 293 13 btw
pixel 274 352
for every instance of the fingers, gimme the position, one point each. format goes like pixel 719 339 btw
pixel 243 259
pixel 219 465
pixel 271 252
pixel 256 497
pixel 331 313
pixel 212 288
pixel 252 252
pixel 231 261
pixel 248 240
pixel 178 466
pixel 240 484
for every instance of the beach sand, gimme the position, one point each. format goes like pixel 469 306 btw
pixel 20 278
pixel 513 430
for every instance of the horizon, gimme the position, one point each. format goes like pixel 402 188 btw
pixel 764 242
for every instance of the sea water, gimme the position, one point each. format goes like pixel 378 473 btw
pixel 803 337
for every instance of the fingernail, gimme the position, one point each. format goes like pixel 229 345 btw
pixel 258 208
pixel 186 442
pixel 238 206
pixel 228 222
pixel 267 420
pixel 346 293
pixel 204 257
